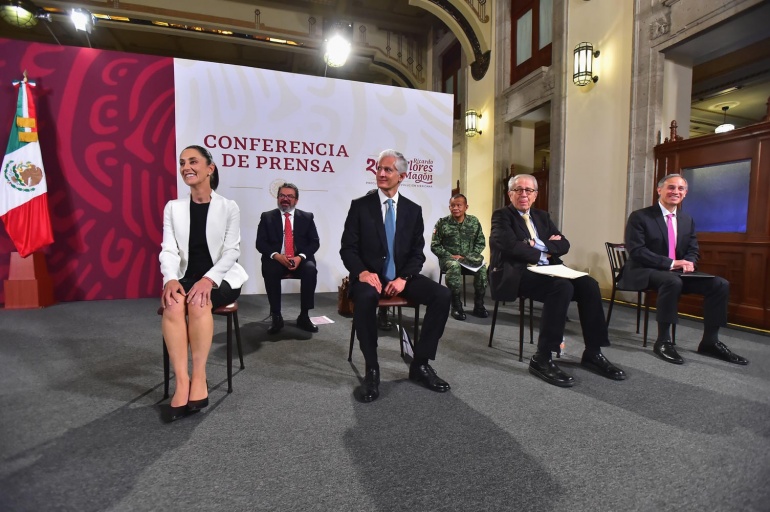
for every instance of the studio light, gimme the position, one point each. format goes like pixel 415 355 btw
pixel 584 63
pixel 19 13
pixel 338 38
pixel 472 123
pixel 336 51
pixel 82 19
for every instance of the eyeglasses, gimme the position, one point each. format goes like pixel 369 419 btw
pixel 528 191
pixel 287 196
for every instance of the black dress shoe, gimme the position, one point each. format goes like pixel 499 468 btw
pixel 597 363
pixel 276 325
pixel 304 323
pixel 547 370
pixel 371 387
pixel 197 405
pixel 382 320
pixel 720 351
pixel 480 311
pixel 426 375
pixel 665 349
pixel 458 313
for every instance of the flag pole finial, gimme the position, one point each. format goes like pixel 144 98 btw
pixel 25 76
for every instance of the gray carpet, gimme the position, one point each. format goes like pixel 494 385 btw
pixel 81 429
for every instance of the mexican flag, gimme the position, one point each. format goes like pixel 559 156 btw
pixel 23 188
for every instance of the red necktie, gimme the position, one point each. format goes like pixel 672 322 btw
pixel 288 237
pixel 671 236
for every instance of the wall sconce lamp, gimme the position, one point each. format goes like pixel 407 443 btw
pixel 22 13
pixel 472 123
pixel 82 19
pixel 725 126
pixel 584 62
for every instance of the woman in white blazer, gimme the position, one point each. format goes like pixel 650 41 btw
pixel 198 260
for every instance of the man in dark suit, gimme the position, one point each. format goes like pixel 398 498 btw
pixel 293 254
pixel 382 248
pixel 523 236
pixel 663 248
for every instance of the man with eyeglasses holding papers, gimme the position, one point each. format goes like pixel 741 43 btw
pixel 663 251
pixel 523 236
pixel 288 240
pixel 382 248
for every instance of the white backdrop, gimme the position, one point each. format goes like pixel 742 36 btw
pixel 266 127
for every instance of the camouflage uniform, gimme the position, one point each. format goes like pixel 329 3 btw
pixel 466 239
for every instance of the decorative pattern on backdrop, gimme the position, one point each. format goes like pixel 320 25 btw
pixel 106 123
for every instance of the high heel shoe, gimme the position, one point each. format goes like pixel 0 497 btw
pixel 197 405
pixel 176 413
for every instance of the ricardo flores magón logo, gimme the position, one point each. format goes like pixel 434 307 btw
pixel 419 170
pixel 23 176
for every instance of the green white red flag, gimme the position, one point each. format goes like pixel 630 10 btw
pixel 23 187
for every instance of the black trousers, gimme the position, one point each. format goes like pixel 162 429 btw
pixel 556 293
pixel 272 272
pixel 419 289
pixel 670 286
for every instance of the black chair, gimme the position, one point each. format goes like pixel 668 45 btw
pixel 618 257
pixel 521 325
pixel 465 272
pixel 231 313
pixel 398 303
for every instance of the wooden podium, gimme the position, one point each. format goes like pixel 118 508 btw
pixel 28 284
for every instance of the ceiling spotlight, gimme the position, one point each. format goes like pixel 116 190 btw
pixel 19 13
pixel 82 19
pixel 725 126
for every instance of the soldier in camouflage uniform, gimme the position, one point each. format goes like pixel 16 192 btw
pixel 459 238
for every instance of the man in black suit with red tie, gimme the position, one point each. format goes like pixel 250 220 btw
pixel 382 248
pixel 523 236
pixel 288 240
pixel 663 248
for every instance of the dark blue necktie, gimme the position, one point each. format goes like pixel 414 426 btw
pixel 390 235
